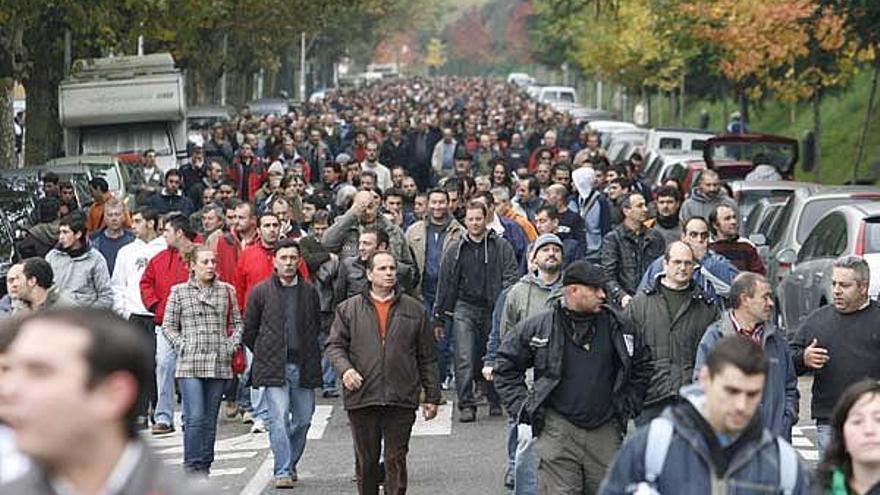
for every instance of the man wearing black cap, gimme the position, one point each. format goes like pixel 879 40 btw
pixel 591 372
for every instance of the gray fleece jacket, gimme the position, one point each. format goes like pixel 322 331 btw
pixel 83 275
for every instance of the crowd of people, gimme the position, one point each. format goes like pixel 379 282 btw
pixel 418 238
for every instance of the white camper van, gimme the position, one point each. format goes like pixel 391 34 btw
pixel 125 106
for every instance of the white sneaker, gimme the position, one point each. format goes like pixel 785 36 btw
pixel 247 417
pixel 258 427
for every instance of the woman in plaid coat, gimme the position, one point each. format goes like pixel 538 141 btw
pixel 203 323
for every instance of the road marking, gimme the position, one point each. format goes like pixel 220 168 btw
pixel 220 457
pixel 320 419
pixel 440 425
pixel 801 442
pixel 227 471
pixel 810 455
pixel 261 478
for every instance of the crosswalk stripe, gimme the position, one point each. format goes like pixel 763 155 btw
pixel 809 454
pixel 440 425
pixel 801 442
pixel 219 457
pixel 226 472
pixel 320 419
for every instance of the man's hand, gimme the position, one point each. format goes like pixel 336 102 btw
pixel 429 411
pixel 815 357
pixel 487 373
pixel 352 380
pixel 438 333
pixel 624 301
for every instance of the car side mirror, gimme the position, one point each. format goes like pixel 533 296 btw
pixel 758 239
pixel 787 256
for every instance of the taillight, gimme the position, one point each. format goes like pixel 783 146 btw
pixel 783 270
pixel 860 240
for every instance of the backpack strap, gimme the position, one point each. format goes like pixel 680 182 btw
pixel 659 438
pixel 788 467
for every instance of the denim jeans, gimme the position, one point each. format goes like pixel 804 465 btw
pixel 328 374
pixel 249 398
pixel 290 415
pixel 526 462
pixel 166 365
pixel 201 403
pixel 444 345
pixel 471 326
pixel 824 432
pixel 511 445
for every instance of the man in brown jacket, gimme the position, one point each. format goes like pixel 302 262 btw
pixel 365 342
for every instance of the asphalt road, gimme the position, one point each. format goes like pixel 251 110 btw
pixel 446 457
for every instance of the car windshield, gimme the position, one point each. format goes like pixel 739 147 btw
pixel 780 223
pixel 669 143
pixel 116 139
pixel 814 210
pixel 872 236
pixel 777 154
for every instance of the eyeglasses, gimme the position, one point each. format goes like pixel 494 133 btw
pixel 700 235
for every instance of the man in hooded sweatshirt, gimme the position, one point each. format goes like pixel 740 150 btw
pixel 705 198
pixel 595 209
pixel 78 267
pixel 474 270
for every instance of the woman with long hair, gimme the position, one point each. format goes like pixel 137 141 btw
pixel 851 465
pixel 500 177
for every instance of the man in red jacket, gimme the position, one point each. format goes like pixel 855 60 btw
pixel 243 233
pixel 256 262
pixel 165 270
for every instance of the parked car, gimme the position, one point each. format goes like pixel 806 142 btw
pixel 622 143
pixel 796 220
pixel 79 170
pixel 846 230
pixel 658 163
pixel 521 79
pixel 666 138
pixel 200 120
pixel 748 193
pixel 759 219
pixel 733 156
pixel 582 115
pixel 552 94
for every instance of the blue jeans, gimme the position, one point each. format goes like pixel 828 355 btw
pixel 824 432
pixel 201 403
pixel 166 365
pixel 249 398
pixel 511 445
pixel 328 374
pixel 526 471
pixel 290 414
pixel 444 345
pixel 471 325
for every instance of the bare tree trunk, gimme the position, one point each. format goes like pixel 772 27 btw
pixel 869 115
pixel 681 101
pixel 44 134
pixel 7 132
pixel 817 129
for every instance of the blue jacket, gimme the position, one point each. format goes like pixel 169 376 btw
pixel 690 467
pixel 716 264
pixel 514 234
pixel 781 402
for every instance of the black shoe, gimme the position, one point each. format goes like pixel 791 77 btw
pixel 330 394
pixel 381 473
pixel 467 415
pixel 508 479
pixel 495 410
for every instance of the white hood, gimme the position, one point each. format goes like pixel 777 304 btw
pixel 584 178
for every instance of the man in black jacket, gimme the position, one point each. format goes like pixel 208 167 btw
pixel 629 249
pixel 591 372
pixel 474 270
pixel 281 328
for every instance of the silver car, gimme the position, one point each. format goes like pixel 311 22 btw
pixel 846 230
pixel 747 193
pixel 796 220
